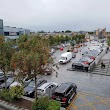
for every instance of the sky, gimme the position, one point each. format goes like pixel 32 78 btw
pixel 58 15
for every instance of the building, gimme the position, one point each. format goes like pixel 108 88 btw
pixel 13 32
pixel 101 33
pixel 1 27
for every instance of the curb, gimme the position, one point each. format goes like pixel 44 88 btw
pixel 61 108
pixel 8 106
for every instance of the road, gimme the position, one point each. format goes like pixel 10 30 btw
pixel 86 82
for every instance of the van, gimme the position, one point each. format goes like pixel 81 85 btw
pixel 47 89
pixel 66 57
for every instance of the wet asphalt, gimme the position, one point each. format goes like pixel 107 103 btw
pixel 86 82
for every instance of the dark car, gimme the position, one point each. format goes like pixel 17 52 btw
pixel 86 60
pixel 78 65
pixel 30 89
pixel 9 81
pixel 65 93
pixel 92 55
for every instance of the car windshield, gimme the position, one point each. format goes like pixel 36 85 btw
pixel 62 58
pixel 10 80
pixel 32 84
pixel 85 59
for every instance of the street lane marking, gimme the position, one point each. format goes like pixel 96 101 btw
pixel 72 103
pixel 82 95
pixel 103 101
pixel 89 94
pixel 88 102
pixel 74 107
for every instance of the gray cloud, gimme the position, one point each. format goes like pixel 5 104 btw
pixel 52 15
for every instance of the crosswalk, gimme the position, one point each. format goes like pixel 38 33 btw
pixel 99 70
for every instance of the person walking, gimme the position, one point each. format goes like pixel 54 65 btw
pixel 102 65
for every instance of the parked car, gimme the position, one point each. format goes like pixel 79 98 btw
pixel 52 50
pixel 61 48
pixel 74 55
pixel 47 89
pixel 77 45
pixel 65 93
pixel 15 83
pixel 92 55
pixel 75 50
pixel 47 71
pixel 2 78
pixel 63 45
pixel 9 81
pixel 65 57
pixel 86 60
pixel 25 81
pixel 78 65
pixel 30 89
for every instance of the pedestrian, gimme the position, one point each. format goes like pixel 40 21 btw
pixel 102 65
pixel 56 74
pixel 57 67
pixel 86 68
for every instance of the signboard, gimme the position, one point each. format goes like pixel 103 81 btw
pixel 12 33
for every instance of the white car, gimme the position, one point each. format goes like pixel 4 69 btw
pixel 47 89
pixel 15 84
pixel 26 81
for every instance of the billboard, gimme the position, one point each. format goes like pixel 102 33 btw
pixel 1 24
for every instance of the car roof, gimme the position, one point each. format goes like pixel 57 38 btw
pixel 63 87
pixel 65 54
pixel 42 87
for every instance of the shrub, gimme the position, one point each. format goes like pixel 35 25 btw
pixel 45 104
pixel 41 104
pixel 54 105
pixel 16 92
pixel 5 94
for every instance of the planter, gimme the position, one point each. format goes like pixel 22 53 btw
pixel 16 105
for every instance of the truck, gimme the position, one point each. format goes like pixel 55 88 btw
pixel 66 57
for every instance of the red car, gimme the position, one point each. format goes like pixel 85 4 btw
pixel 61 48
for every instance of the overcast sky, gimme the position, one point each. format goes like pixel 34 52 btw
pixel 50 15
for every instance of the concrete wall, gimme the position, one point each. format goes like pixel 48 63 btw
pixel 100 55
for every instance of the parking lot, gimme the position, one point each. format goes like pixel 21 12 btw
pixel 93 89
pixel 85 101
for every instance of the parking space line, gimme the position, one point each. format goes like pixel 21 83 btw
pixel 72 103
pixel 87 102
pixel 74 107
pixel 86 94
pixel 103 101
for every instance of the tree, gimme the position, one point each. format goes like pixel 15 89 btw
pixel 51 40
pixel 6 52
pixel 32 58
pixel 67 31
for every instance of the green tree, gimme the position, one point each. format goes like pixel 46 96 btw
pixel 32 57
pixel 6 52
pixel 51 40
